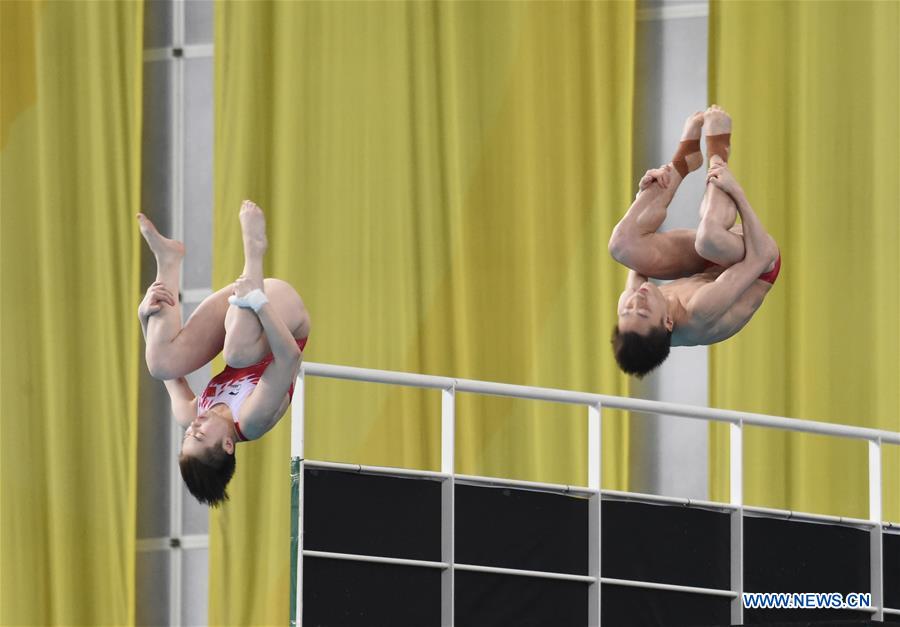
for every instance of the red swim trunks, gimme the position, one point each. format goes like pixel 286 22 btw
pixel 771 275
pixel 768 277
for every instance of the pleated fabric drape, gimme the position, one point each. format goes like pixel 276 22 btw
pixel 70 156
pixel 440 181
pixel 813 87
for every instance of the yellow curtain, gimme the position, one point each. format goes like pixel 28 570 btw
pixel 70 159
pixel 440 181
pixel 813 87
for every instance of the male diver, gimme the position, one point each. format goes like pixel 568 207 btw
pixel 722 271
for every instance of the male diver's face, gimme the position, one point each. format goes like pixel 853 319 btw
pixel 641 310
pixel 206 434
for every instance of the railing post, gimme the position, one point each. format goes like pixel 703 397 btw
pixel 736 442
pixel 595 440
pixel 298 429
pixel 876 557
pixel 448 497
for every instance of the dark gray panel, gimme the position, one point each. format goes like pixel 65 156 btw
pixel 154 419
pixel 152 588
pixel 621 605
pixel 194 516
pixel 491 599
pixel 198 171
pixel 891 548
pixel 648 89
pixel 154 458
pixel 371 515
pixel 157 23
pixel 794 556
pixel 521 529
pixel 687 546
pixel 198 22
pixel 156 149
pixel 336 592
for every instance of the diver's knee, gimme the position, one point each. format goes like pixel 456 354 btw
pixel 621 242
pixel 709 242
pixel 160 367
pixel 238 355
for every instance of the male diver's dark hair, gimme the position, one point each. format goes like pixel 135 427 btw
pixel 206 478
pixel 639 354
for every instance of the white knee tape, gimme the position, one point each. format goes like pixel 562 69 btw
pixel 253 300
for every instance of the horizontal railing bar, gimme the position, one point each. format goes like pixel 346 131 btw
pixel 541 575
pixel 891 610
pixel 527 485
pixel 518 572
pixel 682 411
pixel 731 594
pixel 769 512
pixel 527 392
pixel 390 471
pixel 619 495
pixel 751 419
pixel 375 559
pixel 862 608
pixel 368 375
pixel 607 402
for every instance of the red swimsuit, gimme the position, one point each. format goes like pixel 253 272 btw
pixel 232 386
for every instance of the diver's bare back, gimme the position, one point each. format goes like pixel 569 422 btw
pixel 697 330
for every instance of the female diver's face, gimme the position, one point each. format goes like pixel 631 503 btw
pixel 205 435
pixel 641 310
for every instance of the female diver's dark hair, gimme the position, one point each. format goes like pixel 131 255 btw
pixel 206 479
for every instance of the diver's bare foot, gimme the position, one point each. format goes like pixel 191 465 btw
pixel 662 176
pixel 717 124
pixel 165 250
pixel 716 121
pixel 688 157
pixel 693 126
pixel 253 229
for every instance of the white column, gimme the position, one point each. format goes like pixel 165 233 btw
pixel 670 454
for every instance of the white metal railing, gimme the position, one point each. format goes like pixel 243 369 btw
pixel 594 403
